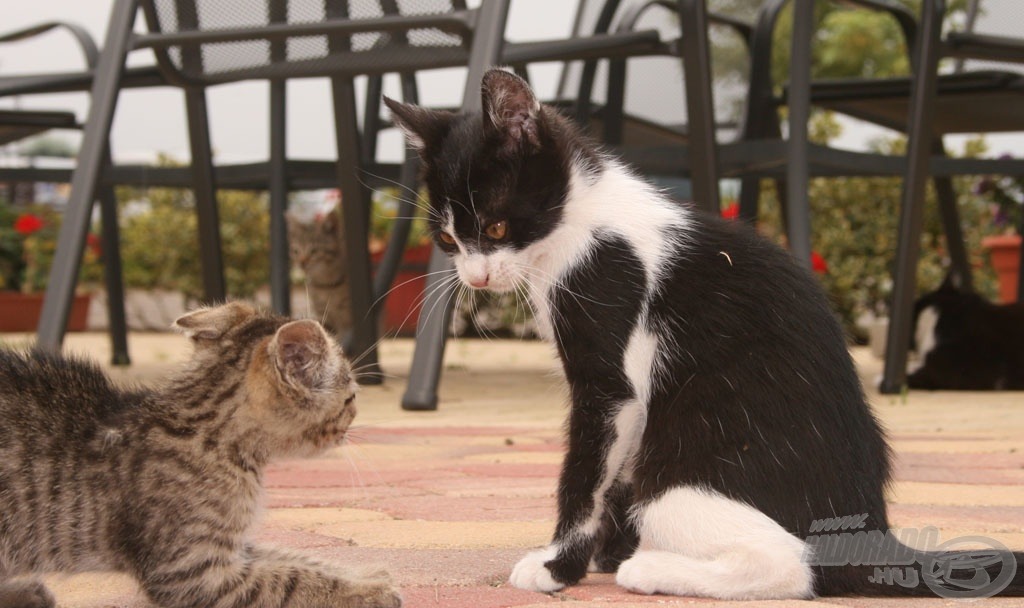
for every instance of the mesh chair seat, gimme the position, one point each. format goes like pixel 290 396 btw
pixel 298 54
pixel 969 102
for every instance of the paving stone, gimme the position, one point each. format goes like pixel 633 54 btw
pixel 450 500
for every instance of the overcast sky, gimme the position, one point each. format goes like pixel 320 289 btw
pixel 150 121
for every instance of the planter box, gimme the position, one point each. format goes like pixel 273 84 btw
pixel 20 311
pixel 1004 253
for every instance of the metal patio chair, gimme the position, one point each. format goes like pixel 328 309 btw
pixel 202 43
pixel 17 124
pixel 926 105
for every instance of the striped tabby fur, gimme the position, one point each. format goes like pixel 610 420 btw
pixel 165 484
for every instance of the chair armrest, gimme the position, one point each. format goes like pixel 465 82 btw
pixel 89 49
pixel 985 46
pixel 632 15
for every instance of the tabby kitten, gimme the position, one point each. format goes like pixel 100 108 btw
pixel 165 484
pixel 317 248
pixel 716 412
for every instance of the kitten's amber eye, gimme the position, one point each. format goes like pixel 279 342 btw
pixel 446 238
pixel 497 230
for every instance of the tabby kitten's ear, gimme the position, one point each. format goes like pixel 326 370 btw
pixel 423 128
pixel 511 111
pixel 212 323
pixel 303 356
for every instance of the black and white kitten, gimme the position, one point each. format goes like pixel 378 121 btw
pixel 965 342
pixel 715 409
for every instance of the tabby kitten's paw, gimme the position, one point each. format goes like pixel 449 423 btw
pixel 26 594
pixel 532 575
pixel 375 592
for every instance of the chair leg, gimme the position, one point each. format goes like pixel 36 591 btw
pixel 113 275
pixel 614 107
pixel 432 329
pixel 700 106
pixel 407 207
pixel 908 245
pixel 797 206
pixel 214 288
pixel 960 267
pixel 91 157
pixel 355 208
pixel 749 199
pixel 280 292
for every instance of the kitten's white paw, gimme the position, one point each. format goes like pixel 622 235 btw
pixel 639 574
pixel 531 574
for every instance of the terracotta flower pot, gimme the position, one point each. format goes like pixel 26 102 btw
pixel 1004 253
pixel 20 311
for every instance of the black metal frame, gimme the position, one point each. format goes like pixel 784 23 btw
pixel 111 255
pixel 930 48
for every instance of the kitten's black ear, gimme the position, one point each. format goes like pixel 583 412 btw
pixel 952 282
pixel 212 323
pixel 302 353
pixel 511 110
pixel 422 127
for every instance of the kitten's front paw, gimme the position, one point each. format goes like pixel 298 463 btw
pixel 26 594
pixel 532 575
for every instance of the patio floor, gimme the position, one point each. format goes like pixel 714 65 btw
pixel 450 500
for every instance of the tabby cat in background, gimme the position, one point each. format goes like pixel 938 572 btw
pixel 164 484
pixel 318 248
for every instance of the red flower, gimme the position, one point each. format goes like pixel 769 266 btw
pixel 818 263
pixel 732 211
pixel 27 223
pixel 93 243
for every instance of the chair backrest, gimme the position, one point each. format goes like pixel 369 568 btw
pixel 655 85
pixel 309 51
pixel 994 18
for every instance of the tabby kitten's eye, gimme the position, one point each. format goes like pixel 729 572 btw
pixel 446 238
pixel 497 230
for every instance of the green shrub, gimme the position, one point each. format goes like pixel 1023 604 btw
pixel 854 224
pixel 160 240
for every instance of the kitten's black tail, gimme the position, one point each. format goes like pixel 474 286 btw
pixel 966 574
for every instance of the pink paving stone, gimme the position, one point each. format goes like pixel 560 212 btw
pixel 964 475
pixel 330 497
pixel 937 437
pixel 471 597
pixel 429 567
pixel 973 517
pixel 349 478
pixel 511 470
pixel 602 588
pixel 445 508
pixel 498 486
pixel 454 431
pixel 963 461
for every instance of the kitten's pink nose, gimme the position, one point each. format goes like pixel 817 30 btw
pixel 480 283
